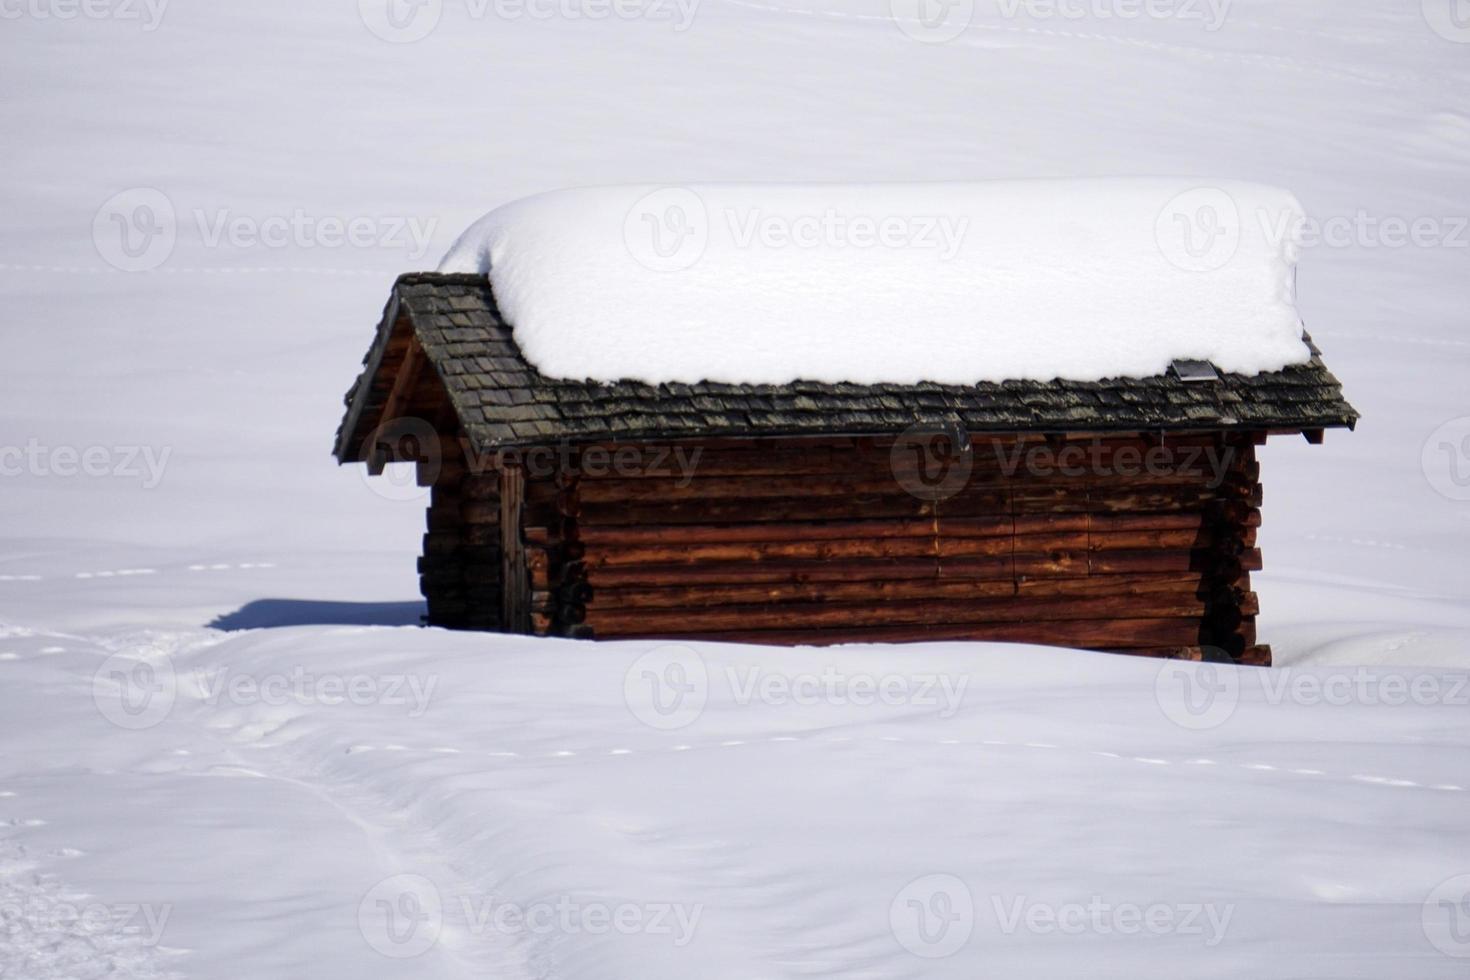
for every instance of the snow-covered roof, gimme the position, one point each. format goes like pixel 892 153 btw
pixel 954 283
pixel 502 400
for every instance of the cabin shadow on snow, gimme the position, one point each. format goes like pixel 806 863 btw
pixel 266 613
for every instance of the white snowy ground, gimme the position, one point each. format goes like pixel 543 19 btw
pixel 231 837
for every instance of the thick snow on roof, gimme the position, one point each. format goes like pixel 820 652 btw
pixel 952 283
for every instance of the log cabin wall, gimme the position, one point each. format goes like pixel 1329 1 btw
pixel 802 541
pixel 460 569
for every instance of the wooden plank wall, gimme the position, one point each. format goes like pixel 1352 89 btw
pixel 800 542
pixel 460 570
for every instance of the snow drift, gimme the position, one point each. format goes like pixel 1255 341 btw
pixel 901 283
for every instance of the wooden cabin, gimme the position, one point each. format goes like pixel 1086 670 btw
pixel 1116 515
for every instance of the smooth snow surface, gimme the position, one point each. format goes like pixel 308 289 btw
pixel 950 283
pixel 376 803
pixel 240 837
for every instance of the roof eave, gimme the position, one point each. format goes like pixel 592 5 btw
pixel 349 441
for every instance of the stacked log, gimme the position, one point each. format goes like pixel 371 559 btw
pixel 1229 622
pixel 557 575
pixel 460 570
pixel 820 542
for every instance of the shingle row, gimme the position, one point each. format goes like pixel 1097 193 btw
pixel 502 400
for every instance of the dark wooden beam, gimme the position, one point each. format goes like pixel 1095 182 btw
pixel 403 384
pixel 515 576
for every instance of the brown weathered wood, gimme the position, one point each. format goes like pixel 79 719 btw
pixel 1257 656
pixel 1087 634
pixel 404 381
pixel 1038 613
pixel 811 541
pixel 516 595
pixel 697 596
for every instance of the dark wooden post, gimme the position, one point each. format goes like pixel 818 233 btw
pixel 514 576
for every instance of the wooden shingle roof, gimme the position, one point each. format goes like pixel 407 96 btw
pixel 503 401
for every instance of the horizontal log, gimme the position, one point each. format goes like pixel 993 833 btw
pixel 773 571
pixel 817 615
pixel 802 508
pixel 654 513
pixel 1063 564
pixel 842 483
pixel 1084 634
pixel 1134 562
pixel 699 596
pixel 987 454
pixel 946 526
pixel 443 542
pixel 834 550
pixel 1176 550
pixel 480 511
pixel 1258 655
